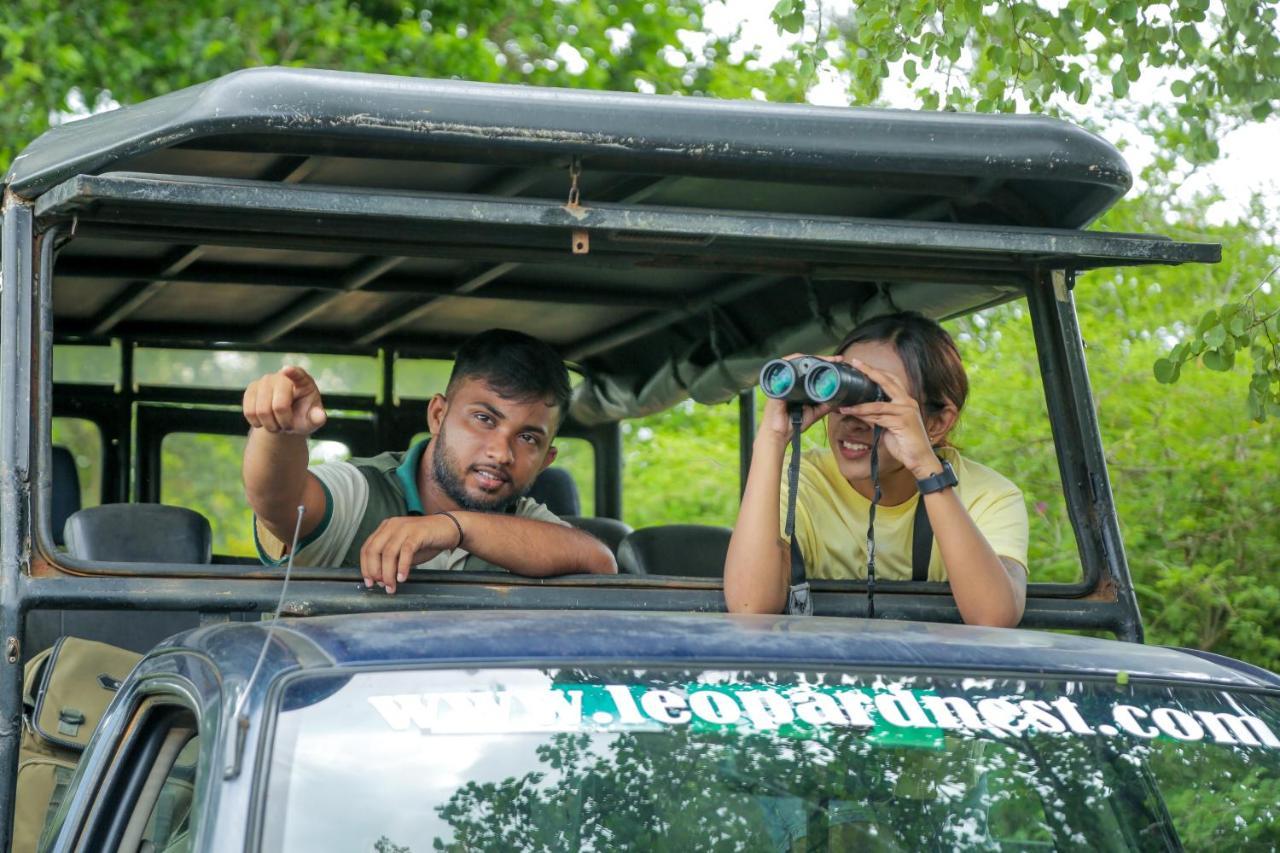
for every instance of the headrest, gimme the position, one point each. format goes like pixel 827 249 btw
pixel 65 497
pixel 140 533
pixel 687 550
pixel 610 531
pixel 555 488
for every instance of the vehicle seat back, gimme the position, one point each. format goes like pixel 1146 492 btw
pixel 556 489
pixel 685 550
pixel 65 498
pixel 140 533
pixel 610 531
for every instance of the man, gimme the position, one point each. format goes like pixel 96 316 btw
pixel 453 502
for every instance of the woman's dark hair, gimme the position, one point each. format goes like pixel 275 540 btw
pixel 935 373
pixel 516 365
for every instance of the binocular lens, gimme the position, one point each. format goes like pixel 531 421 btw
pixel 824 384
pixel 840 384
pixel 807 380
pixel 778 380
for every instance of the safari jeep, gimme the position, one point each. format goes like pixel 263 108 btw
pixel 667 247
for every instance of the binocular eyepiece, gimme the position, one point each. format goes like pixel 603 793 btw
pixel 810 381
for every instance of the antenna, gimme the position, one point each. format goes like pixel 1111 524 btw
pixel 240 720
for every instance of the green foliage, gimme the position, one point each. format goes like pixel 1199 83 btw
pixel 681 466
pixel 1195 484
pixel 1236 327
pixel 131 51
pixel 1221 62
pixel 386 845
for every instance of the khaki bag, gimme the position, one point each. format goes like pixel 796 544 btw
pixel 65 691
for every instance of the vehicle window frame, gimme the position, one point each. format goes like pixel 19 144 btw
pixel 116 792
pixel 129 718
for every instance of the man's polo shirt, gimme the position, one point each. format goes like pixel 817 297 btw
pixel 358 496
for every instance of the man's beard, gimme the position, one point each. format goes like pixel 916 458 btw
pixel 449 473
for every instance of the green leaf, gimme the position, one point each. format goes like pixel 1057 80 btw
pixel 1207 322
pixel 1125 10
pixel 1188 38
pixel 1216 337
pixel 792 23
pixel 1257 411
pixel 1219 360
pixel 1120 84
pixel 909 70
pixel 1167 371
pixel 783 9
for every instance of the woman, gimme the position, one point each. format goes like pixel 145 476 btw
pixel 979 524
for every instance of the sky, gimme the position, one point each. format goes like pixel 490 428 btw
pixel 1248 160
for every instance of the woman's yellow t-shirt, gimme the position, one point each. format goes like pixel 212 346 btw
pixel 831 520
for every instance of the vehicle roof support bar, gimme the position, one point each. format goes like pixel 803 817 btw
pixel 16 247
pixel 406 223
pixel 1081 461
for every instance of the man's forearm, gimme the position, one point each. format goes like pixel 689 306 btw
pixel 275 476
pixel 526 546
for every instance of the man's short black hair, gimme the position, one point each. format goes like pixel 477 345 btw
pixel 516 365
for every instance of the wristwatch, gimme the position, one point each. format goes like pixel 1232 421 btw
pixel 944 479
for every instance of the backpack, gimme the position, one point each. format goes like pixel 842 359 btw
pixel 65 691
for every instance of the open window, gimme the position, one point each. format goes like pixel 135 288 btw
pixel 145 802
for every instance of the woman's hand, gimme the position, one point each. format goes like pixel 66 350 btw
pixel 905 436
pixel 776 421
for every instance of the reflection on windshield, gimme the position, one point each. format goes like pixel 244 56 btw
pixel 773 761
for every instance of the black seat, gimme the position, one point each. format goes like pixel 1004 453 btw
pixel 140 533
pixel 610 531
pixel 685 550
pixel 65 497
pixel 556 489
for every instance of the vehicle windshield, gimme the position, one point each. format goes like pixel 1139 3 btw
pixel 615 759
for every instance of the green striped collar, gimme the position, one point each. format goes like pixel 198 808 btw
pixel 408 476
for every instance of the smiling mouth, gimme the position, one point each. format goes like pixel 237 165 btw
pixel 854 446
pixel 489 478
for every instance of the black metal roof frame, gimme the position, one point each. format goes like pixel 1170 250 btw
pixel 1027 185
pixel 390 226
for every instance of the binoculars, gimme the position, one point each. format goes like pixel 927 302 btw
pixel 809 381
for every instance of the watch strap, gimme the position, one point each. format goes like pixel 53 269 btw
pixel 944 479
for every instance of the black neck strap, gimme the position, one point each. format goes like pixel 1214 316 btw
pixel 922 531
pixel 921 543
pixel 876 432
pixel 798 601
